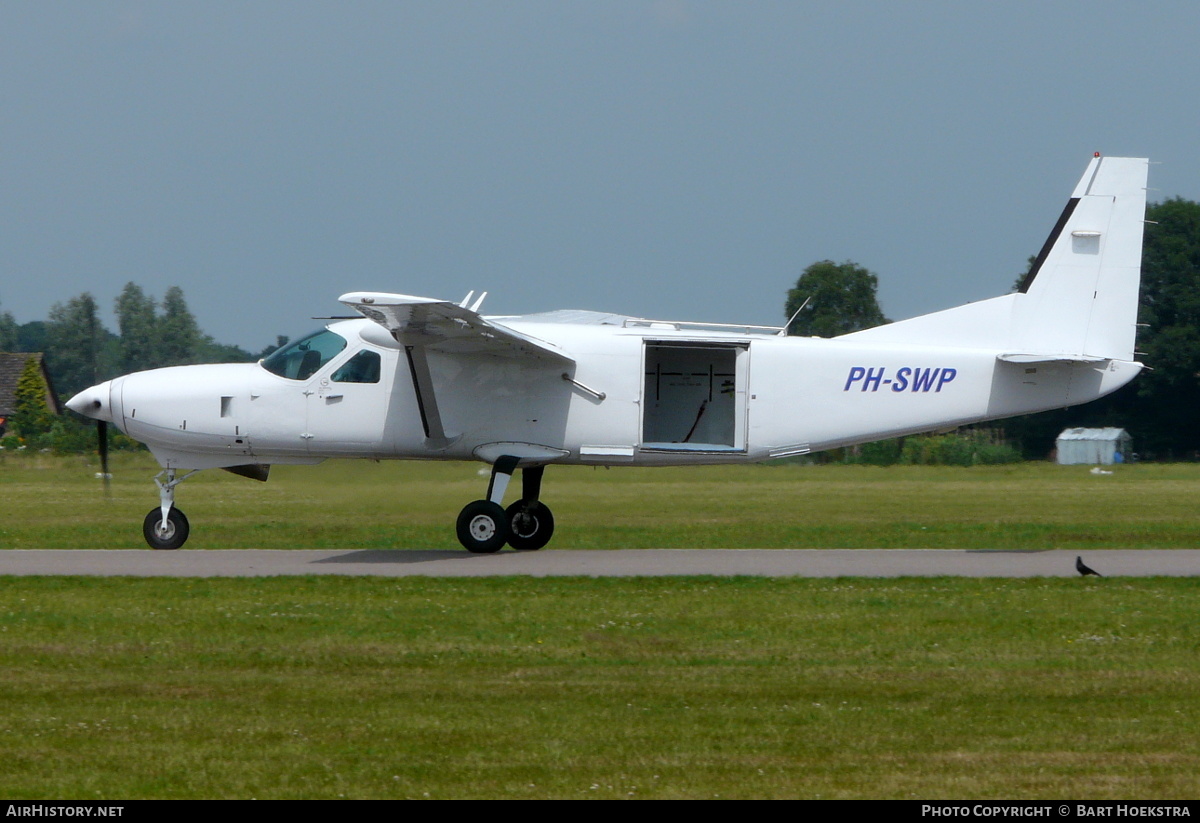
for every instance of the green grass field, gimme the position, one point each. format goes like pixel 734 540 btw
pixel 57 503
pixel 577 688
pixel 573 688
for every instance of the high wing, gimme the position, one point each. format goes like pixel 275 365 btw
pixel 448 327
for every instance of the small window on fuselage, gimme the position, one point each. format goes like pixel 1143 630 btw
pixel 361 368
pixel 302 359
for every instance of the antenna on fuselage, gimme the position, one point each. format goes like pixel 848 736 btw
pixel 784 330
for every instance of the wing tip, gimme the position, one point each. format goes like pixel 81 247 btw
pixel 376 298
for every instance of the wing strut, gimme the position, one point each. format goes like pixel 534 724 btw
pixel 431 418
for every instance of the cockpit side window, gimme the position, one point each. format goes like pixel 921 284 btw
pixel 361 368
pixel 302 359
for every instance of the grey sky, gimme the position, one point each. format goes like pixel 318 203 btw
pixel 672 159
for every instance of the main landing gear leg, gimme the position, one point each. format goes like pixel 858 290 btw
pixel 484 526
pixel 530 523
pixel 166 527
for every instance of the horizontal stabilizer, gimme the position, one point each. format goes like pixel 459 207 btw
pixel 1050 358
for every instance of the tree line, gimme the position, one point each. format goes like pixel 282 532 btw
pixel 80 351
pixel 1159 409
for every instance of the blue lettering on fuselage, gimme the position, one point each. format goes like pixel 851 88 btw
pixel 870 378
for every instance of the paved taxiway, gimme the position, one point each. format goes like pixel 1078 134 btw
pixel 612 563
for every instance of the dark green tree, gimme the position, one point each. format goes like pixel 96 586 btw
pixel 77 345
pixel 841 299
pixel 1162 407
pixel 210 351
pixel 8 332
pixel 179 335
pixel 137 325
pixel 31 336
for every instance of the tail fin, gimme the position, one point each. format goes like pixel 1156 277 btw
pixel 1080 296
pixel 1079 300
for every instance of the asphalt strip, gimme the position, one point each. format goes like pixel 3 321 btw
pixel 603 563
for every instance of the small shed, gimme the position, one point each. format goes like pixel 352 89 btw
pixel 1085 446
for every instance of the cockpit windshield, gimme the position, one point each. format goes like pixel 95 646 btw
pixel 302 359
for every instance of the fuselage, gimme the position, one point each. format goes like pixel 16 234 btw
pixel 638 392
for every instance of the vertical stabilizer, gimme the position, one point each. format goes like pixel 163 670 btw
pixel 1081 294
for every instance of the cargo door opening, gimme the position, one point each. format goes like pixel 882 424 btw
pixel 694 397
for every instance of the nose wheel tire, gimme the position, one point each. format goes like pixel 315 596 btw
pixel 171 536
pixel 482 527
pixel 530 525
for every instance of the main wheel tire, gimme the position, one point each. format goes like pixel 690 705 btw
pixel 530 525
pixel 482 527
pixel 173 536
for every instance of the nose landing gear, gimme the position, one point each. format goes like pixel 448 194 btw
pixel 166 527
pixel 484 526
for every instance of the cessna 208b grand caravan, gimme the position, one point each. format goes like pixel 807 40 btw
pixel 416 378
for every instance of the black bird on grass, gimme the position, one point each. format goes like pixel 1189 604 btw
pixel 1084 569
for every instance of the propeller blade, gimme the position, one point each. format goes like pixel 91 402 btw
pixel 102 447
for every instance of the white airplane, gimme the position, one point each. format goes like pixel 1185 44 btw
pixel 424 379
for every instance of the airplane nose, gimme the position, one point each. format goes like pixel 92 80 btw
pixel 94 402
